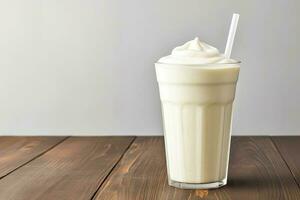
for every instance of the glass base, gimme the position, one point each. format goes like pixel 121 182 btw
pixel 210 185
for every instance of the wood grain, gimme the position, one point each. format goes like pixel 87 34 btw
pixel 289 148
pixel 256 172
pixel 16 151
pixel 72 170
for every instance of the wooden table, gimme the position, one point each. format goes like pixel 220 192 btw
pixel 133 168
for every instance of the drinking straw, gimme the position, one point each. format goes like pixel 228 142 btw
pixel 232 31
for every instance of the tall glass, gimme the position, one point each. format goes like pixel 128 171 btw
pixel 196 106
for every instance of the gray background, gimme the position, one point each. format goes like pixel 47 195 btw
pixel 86 66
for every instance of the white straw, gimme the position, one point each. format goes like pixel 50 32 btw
pixel 232 31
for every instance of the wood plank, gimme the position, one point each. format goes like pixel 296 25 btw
pixel 256 172
pixel 72 170
pixel 289 148
pixel 17 151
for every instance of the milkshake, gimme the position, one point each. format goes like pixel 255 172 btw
pixel 197 88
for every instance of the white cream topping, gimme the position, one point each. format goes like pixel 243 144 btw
pixel 195 52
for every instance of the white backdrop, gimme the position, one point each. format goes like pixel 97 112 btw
pixel 86 66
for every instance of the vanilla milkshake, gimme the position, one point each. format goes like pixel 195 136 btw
pixel 197 88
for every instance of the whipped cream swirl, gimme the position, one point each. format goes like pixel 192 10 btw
pixel 195 52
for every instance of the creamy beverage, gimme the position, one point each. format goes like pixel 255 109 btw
pixel 197 88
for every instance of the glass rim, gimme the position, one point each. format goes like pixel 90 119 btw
pixel 208 64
